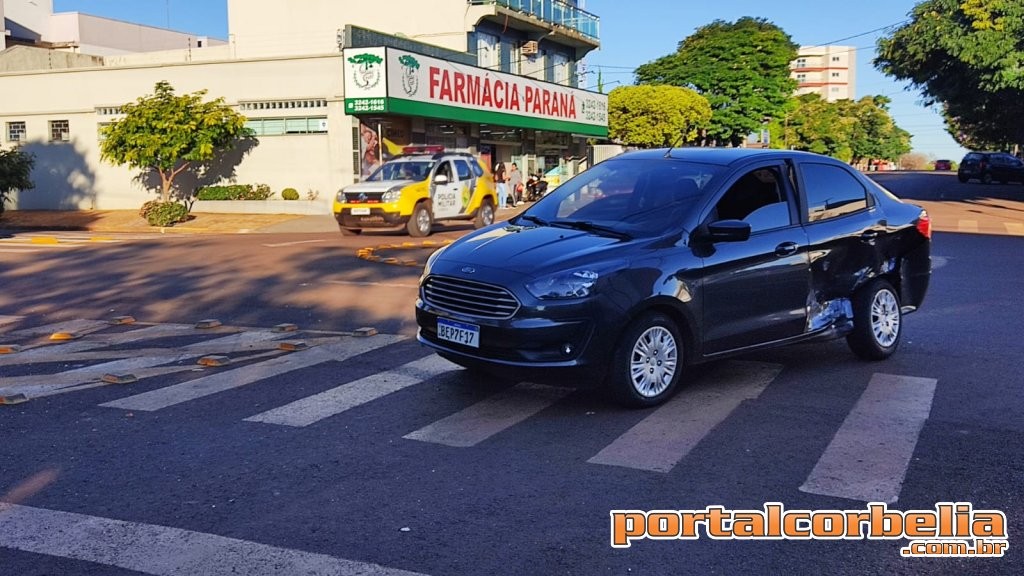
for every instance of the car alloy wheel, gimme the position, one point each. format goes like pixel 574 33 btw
pixel 485 217
pixel 877 321
pixel 653 363
pixel 420 223
pixel 885 318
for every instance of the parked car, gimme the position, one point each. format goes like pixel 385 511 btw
pixel 654 260
pixel 417 188
pixel 943 165
pixel 989 167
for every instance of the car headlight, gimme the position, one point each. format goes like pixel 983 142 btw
pixel 564 285
pixel 392 195
pixel 340 197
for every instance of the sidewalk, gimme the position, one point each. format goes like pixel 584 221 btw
pixel 129 221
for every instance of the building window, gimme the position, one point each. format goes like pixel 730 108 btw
pixel 60 131
pixel 801 62
pixel 835 74
pixel 488 51
pixel 835 89
pixel 16 131
pixel 560 67
pixel 801 77
pixel 835 58
pixel 304 104
pixel 284 126
pixel 109 111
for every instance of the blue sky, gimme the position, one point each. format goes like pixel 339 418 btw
pixel 637 31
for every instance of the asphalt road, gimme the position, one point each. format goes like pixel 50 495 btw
pixel 367 455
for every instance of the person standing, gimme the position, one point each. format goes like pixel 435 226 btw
pixel 515 184
pixel 501 181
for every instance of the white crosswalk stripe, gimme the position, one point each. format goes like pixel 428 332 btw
pixel 868 457
pixel 658 442
pixel 251 373
pixel 332 402
pixel 163 550
pixel 491 416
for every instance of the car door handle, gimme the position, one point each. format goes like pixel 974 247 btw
pixel 786 249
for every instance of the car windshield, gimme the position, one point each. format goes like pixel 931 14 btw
pixel 402 170
pixel 635 198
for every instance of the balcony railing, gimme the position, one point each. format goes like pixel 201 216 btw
pixel 554 12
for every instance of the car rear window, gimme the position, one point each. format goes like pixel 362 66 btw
pixel 831 192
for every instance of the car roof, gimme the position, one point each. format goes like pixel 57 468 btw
pixel 720 156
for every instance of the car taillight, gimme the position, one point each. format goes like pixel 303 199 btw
pixel 924 224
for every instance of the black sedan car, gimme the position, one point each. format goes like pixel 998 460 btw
pixel 657 259
pixel 989 167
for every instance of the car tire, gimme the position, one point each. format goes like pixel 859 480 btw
pixel 351 231
pixel 485 215
pixel 648 362
pixel 421 222
pixel 986 178
pixel 877 321
pixel 962 178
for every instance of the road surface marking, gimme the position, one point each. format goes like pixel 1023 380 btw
pixel 162 550
pixel 867 459
pixel 969 226
pixel 245 375
pixel 658 442
pixel 347 396
pixel 491 416
pixel 296 243
pixel 1015 228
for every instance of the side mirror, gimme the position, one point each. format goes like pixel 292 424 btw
pixel 725 231
pixel 440 179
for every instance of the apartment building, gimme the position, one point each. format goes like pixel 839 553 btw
pixel 829 71
pixel 328 87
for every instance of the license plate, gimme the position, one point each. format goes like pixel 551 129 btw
pixel 360 211
pixel 458 332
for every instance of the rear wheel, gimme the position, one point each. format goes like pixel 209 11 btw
pixel 648 362
pixel 485 215
pixel 877 321
pixel 421 221
pixel 986 178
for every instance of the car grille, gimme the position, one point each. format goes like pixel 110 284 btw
pixel 362 197
pixel 469 298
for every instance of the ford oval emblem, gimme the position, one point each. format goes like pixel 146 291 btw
pixel 469 270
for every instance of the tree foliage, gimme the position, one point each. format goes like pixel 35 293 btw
pixel 847 130
pixel 170 134
pixel 652 116
pixel 965 55
pixel 742 68
pixel 15 173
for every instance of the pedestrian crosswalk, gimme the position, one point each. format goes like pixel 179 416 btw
pixel 866 459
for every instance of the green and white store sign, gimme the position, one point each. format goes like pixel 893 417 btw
pixel 386 80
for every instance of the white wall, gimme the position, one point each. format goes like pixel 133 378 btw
pixel 264 27
pixel 71 175
pixel 29 19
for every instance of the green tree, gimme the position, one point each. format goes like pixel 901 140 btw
pixel 873 133
pixel 651 116
pixel 742 68
pixel 847 130
pixel 964 55
pixel 170 134
pixel 15 173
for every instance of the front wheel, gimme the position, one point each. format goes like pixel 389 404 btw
pixel 485 215
pixel 877 321
pixel 421 221
pixel 648 362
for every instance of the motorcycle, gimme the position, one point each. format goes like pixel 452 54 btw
pixel 536 188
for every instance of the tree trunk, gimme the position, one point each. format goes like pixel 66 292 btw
pixel 166 179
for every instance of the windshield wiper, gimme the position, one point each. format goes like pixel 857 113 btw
pixel 588 226
pixel 534 219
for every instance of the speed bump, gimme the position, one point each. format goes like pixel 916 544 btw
pixel 208 323
pixel 13 399
pixel 365 332
pixel 293 346
pixel 119 320
pixel 45 240
pixel 63 336
pixel 286 328
pixel 119 378
pixel 214 361
pixel 9 348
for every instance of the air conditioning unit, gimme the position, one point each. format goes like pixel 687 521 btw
pixel 529 48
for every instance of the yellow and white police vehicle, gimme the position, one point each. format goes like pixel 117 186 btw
pixel 423 185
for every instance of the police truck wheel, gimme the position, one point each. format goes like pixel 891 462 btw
pixel 485 215
pixel 421 221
